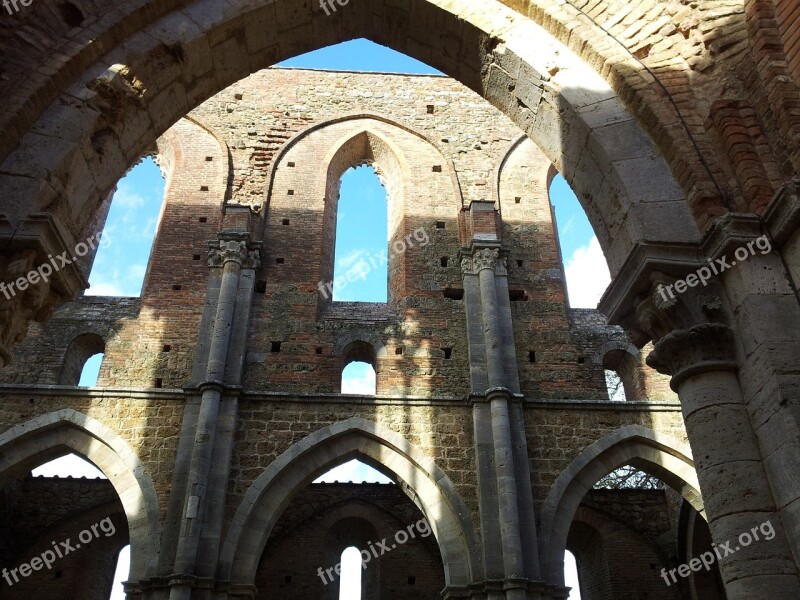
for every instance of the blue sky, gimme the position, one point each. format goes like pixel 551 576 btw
pixel 361 231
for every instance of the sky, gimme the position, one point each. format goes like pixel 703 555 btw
pixel 362 230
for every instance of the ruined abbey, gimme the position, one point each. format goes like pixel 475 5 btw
pixel 219 401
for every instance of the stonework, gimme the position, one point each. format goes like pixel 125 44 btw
pixel 218 402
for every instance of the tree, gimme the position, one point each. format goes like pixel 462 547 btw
pixel 628 478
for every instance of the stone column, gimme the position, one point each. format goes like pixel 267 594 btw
pixel 504 529
pixel 231 253
pixel 702 362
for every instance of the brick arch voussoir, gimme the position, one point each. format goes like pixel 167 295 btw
pixel 668 459
pixel 272 491
pixel 46 437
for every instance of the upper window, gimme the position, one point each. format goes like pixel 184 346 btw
pixel 82 360
pixel 121 261
pixel 361 267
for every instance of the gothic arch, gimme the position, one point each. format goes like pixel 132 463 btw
pixel 666 458
pixel 432 490
pixel 577 122
pixel 48 436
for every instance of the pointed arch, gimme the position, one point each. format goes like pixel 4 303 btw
pixel 423 480
pixel 48 436
pixel 639 446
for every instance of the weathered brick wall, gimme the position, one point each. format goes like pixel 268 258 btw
pixel 558 432
pixel 282 128
pixel 149 424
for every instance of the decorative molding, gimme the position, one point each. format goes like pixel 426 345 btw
pixel 234 246
pixel 688 352
pixel 484 258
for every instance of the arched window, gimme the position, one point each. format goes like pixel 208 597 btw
pixel 361 272
pixel 350 581
pixel 82 360
pixel 585 265
pixel 121 261
pixel 359 373
pixel 623 373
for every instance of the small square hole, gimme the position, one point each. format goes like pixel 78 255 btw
pixel 275 346
pixel 519 263
pixel 581 360
pixel 444 261
pixel 203 188
pixel 448 353
pixel 285 222
pixel 291 165
pixel 167 348
pixel 398 351
pixel 318 350
pixel 440 224
pixel 209 158
pixel 261 287
pixel 437 168
pixel 517 200
pixel 517 295
pixel 280 261
pixel 177 288
pixel 431 109
pixel 412 580
pixel 203 219
pixel 531 356
pixel 287 579
pixel 454 294
pixel 290 192
pixel 196 257
pixel 237 96
pixel 158 383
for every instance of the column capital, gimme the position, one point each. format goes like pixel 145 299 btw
pixel 234 246
pixel 478 258
pixel 688 352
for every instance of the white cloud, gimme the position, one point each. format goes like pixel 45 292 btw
pixel 351 258
pixel 361 381
pixel 587 275
pixel 126 198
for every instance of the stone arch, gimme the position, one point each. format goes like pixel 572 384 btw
pixel 578 122
pixel 432 490
pixel 636 445
pixel 80 349
pixel 625 359
pixel 48 436
pixel 281 155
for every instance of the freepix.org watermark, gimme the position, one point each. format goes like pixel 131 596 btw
pixel 13 6
pixel 380 548
pixel 60 550
pixel 714 268
pixel 720 551
pixel 367 263
pixel 54 265
pixel 329 6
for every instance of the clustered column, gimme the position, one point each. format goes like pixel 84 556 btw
pixel 237 259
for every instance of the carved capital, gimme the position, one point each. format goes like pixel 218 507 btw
pixel 234 247
pixel 688 352
pixel 484 258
